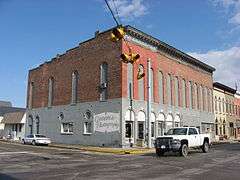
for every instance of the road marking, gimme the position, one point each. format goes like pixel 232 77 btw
pixel 9 153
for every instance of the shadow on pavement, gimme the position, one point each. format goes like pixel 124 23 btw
pixel 6 177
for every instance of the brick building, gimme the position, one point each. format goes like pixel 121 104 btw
pixel 88 96
pixel 237 111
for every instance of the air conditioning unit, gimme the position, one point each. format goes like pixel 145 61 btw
pixel 104 85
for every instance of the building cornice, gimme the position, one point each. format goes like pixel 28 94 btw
pixel 161 46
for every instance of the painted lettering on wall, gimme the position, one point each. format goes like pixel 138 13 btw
pixel 107 122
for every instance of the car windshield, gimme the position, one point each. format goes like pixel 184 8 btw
pixel 40 136
pixel 177 131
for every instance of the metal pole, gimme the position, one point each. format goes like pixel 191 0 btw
pixel 149 103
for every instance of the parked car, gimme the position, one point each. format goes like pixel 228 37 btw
pixel 181 139
pixel 36 139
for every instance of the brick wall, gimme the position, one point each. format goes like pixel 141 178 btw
pixel 167 65
pixel 86 59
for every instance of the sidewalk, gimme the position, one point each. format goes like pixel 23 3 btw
pixel 110 150
pixel 120 151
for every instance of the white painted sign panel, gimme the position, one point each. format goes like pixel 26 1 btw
pixel 107 122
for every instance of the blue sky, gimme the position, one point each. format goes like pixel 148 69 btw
pixel 32 32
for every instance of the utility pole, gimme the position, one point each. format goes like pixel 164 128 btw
pixel 149 96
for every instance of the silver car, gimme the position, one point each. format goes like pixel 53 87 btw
pixel 36 139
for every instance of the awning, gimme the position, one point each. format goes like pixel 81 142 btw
pixel 13 118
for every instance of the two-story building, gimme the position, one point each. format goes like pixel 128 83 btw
pixel 89 96
pixel 224 109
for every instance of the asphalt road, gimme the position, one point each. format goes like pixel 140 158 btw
pixel 34 163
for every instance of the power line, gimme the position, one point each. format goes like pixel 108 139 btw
pixel 112 12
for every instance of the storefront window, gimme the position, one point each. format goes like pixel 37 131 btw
pixel 140 130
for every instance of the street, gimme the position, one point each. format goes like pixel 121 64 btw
pixel 39 162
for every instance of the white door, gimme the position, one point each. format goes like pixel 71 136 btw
pixel 193 138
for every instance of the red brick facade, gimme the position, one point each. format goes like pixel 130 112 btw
pixel 87 58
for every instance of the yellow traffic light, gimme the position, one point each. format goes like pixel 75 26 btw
pixel 117 34
pixel 140 74
pixel 134 58
pixel 131 58
pixel 125 58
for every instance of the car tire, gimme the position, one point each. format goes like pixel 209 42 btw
pixel 159 152
pixel 205 147
pixel 34 143
pixel 183 150
pixel 23 141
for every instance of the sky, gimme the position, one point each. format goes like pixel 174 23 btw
pixel 32 32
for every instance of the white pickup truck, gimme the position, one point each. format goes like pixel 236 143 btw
pixel 180 139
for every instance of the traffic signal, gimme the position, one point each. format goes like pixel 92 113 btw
pixel 125 58
pixel 134 58
pixel 117 34
pixel 130 58
pixel 140 74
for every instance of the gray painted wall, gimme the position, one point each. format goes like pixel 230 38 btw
pixel 50 123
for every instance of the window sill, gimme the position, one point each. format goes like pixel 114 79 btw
pixel 66 133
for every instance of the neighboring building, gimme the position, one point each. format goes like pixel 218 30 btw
pixel 6 107
pixel 225 119
pixel 237 107
pixel 88 96
pixel 14 125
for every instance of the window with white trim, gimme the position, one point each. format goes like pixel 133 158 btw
pixel 67 128
pixel 87 128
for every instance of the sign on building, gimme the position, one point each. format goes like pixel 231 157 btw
pixel 107 122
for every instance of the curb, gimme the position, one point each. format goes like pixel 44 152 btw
pixel 106 150
pixel 93 149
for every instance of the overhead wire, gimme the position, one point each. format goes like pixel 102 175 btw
pixel 116 20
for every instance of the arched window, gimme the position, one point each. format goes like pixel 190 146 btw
pixel 196 96
pixel 200 97
pixel 30 96
pixel 184 93
pixel 141 84
pixel 160 124
pixel 37 124
pixel 152 85
pixel 129 119
pixel 203 98
pixel 50 91
pixel 190 87
pixel 219 104
pixel 206 98
pixel 104 81
pixel 75 78
pixel 169 122
pixel 215 103
pixel 160 89
pixel 169 89
pixel 141 124
pixel 177 121
pixel 176 82
pixel 30 124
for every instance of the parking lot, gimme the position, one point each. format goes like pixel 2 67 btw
pixel 33 162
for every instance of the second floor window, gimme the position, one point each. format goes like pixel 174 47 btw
pixel 50 91
pixel 103 81
pixel 75 77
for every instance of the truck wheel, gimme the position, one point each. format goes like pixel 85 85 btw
pixel 205 147
pixel 159 152
pixel 184 150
